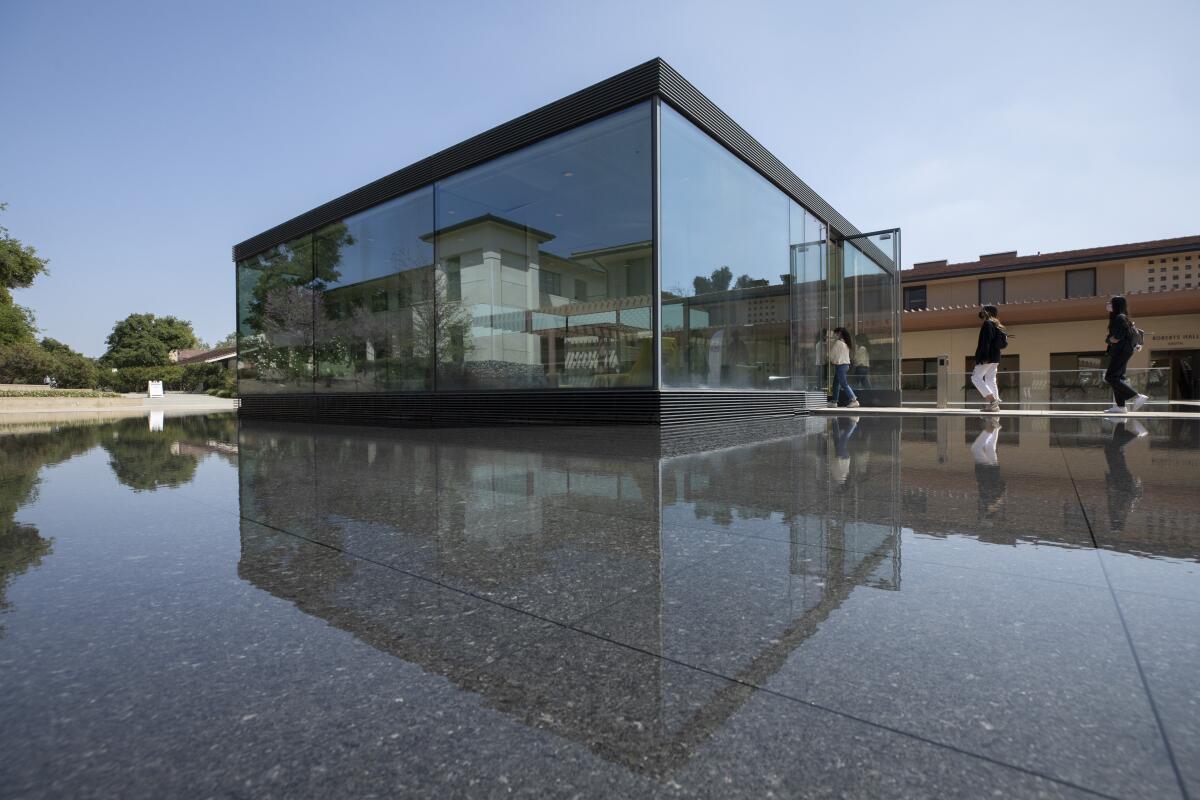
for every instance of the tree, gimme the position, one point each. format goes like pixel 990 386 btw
pixel 70 370
pixel 228 341
pixel 144 340
pixel 717 282
pixel 16 325
pixel 24 362
pixel 19 264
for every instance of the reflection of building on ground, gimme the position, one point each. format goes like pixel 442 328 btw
pixel 1040 503
pixel 572 522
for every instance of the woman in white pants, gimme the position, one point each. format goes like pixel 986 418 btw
pixel 992 339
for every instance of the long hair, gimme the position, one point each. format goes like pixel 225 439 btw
pixel 844 335
pixel 993 314
pixel 1119 305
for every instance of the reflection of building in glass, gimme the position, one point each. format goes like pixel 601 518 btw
pixel 594 530
pixel 556 253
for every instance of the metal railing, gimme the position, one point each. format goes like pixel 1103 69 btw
pixel 1036 388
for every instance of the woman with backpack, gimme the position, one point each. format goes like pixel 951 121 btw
pixel 839 357
pixel 992 339
pixel 1122 343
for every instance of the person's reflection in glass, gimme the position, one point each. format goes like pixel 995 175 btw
pixel 992 488
pixel 1123 487
pixel 839 467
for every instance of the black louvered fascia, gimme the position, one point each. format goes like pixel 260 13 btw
pixel 529 407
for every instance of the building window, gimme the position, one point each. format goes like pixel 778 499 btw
pixel 581 289
pixel 379 301
pixel 918 374
pixel 1151 261
pixel 1162 269
pixel 915 298
pixel 454 278
pixel 549 282
pixel 1081 282
pixel 991 291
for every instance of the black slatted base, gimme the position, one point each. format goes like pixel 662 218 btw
pixel 571 407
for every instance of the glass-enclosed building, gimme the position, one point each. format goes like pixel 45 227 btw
pixel 626 254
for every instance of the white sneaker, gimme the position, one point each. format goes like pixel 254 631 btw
pixel 853 404
pixel 1136 428
pixel 1117 410
pixel 1139 401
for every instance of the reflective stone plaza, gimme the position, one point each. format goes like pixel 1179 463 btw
pixel 824 606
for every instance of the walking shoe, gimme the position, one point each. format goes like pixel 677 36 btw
pixel 1117 410
pixel 993 407
pixel 1139 401
pixel 853 404
pixel 1136 428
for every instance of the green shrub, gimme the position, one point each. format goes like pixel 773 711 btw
pixel 55 393
pixel 24 362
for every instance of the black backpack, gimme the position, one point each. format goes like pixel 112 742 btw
pixel 1001 337
pixel 1136 335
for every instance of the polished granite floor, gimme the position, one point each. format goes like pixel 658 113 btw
pixel 846 607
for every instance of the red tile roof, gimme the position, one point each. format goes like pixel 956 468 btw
pixel 1003 262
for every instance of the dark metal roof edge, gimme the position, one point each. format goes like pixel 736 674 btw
pixel 654 77
pixel 905 277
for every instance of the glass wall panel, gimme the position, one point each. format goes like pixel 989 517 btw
pixel 275 319
pixel 374 295
pixel 544 263
pixel 726 267
pixel 869 311
pixel 810 300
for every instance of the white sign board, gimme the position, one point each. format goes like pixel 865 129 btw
pixel 154 388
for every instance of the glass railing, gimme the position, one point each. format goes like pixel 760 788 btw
pixel 1059 388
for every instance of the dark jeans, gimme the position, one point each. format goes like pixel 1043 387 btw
pixel 840 385
pixel 1114 376
pixel 862 377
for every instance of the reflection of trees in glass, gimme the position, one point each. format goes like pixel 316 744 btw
pixel 720 280
pixel 279 318
pixel 444 330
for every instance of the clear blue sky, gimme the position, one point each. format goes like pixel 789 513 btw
pixel 140 141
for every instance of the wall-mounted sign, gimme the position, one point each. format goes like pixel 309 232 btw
pixel 1175 339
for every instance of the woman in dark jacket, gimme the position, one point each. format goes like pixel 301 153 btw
pixel 987 357
pixel 1121 347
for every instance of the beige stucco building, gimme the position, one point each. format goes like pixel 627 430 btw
pixel 1053 306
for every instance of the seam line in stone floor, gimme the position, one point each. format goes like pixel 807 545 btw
pixel 1137 661
pixel 789 698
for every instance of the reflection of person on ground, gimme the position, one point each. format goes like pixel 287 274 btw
pixel 992 338
pixel 839 358
pixel 992 488
pixel 1123 487
pixel 862 363
pixel 1121 347
pixel 843 429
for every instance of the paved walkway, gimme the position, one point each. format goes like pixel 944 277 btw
pixel 130 403
pixel 1007 411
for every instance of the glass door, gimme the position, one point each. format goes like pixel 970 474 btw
pixel 868 291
